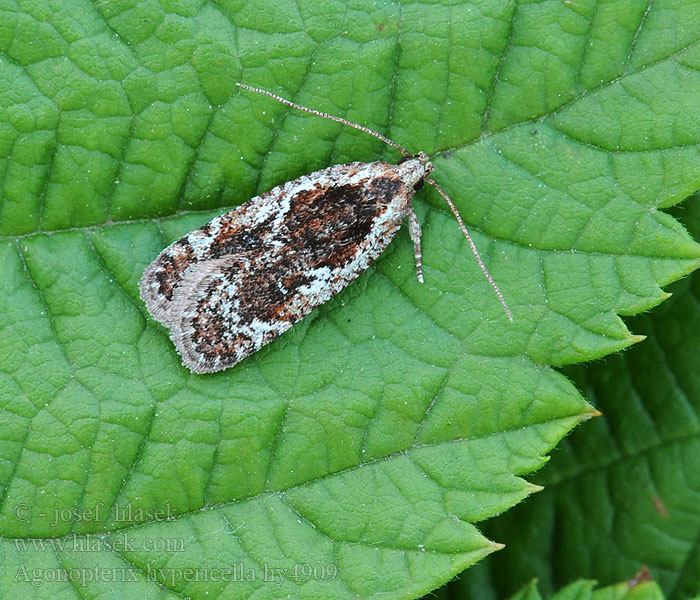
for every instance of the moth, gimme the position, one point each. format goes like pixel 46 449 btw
pixel 240 281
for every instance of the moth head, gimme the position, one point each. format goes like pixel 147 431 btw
pixel 427 167
pixel 421 156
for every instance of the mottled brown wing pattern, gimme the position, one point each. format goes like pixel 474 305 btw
pixel 237 283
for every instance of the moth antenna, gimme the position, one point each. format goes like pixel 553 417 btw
pixel 319 113
pixel 475 252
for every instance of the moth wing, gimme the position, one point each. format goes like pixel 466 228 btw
pixel 230 307
pixel 249 275
pixel 215 322
pixel 222 235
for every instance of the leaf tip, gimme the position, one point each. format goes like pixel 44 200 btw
pixel 534 488
pixel 590 412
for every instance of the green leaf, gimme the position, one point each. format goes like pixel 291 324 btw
pixel 358 451
pixel 639 587
pixel 624 492
pixel 584 590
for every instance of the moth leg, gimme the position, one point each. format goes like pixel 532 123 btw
pixel 415 232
